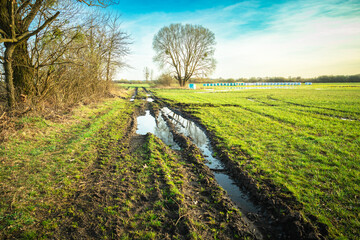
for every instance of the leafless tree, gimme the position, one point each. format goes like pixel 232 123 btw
pixel 16 28
pixel 75 63
pixel 117 46
pixel 187 49
pixel 36 49
pixel 146 73
pixel 99 3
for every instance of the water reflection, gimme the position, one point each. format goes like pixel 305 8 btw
pixel 240 198
pixel 198 136
pixel 145 124
pixel 158 127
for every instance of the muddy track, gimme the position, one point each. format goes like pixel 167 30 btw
pixel 282 210
pixel 139 188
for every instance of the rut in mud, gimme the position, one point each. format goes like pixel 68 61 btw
pixel 160 186
pixel 139 188
pixel 261 219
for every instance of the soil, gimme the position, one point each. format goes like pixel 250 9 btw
pixel 131 196
pixel 282 209
pixel 139 188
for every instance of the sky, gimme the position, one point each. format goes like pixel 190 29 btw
pixel 255 38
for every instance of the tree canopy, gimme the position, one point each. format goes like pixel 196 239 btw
pixel 187 49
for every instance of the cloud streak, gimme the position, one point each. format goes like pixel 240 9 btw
pixel 295 38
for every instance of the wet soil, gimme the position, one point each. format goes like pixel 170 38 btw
pixel 139 188
pixel 280 210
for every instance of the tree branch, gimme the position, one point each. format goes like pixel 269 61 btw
pixel 30 17
pixel 8 40
pixel 23 6
pixel 30 34
pixel 12 26
pixel 97 3
pixel 3 33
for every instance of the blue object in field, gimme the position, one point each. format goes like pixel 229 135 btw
pixel 192 86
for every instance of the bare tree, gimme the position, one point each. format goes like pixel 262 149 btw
pixel 98 3
pixel 187 49
pixel 146 73
pixel 16 18
pixel 75 63
pixel 21 20
pixel 117 46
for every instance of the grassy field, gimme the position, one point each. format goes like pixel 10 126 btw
pixel 42 163
pixel 135 85
pixel 306 140
pixel 86 175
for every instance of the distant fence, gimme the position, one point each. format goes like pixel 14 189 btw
pixel 243 85
pixel 252 84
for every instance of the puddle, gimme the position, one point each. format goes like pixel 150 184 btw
pixel 145 124
pixel 191 130
pixel 158 127
pixel 238 197
pixel 134 96
pixel 199 138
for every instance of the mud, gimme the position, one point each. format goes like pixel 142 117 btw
pixel 140 188
pixel 282 210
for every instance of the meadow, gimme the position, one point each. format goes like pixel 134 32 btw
pixel 305 140
pixel 87 175
pixel 135 85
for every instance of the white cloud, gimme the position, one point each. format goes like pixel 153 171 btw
pixel 307 38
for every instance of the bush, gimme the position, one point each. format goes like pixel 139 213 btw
pixel 165 80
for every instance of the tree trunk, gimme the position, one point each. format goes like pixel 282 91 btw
pixel 23 70
pixel 182 82
pixel 8 55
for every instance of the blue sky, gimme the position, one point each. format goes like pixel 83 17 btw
pixel 254 38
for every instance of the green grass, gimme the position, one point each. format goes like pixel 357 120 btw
pixel 41 163
pixel 306 140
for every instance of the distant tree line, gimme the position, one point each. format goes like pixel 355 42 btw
pixel 320 79
pixel 125 81
pixel 57 52
pixel 166 79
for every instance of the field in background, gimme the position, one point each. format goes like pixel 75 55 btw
pixel 305 140
pixel 135 85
